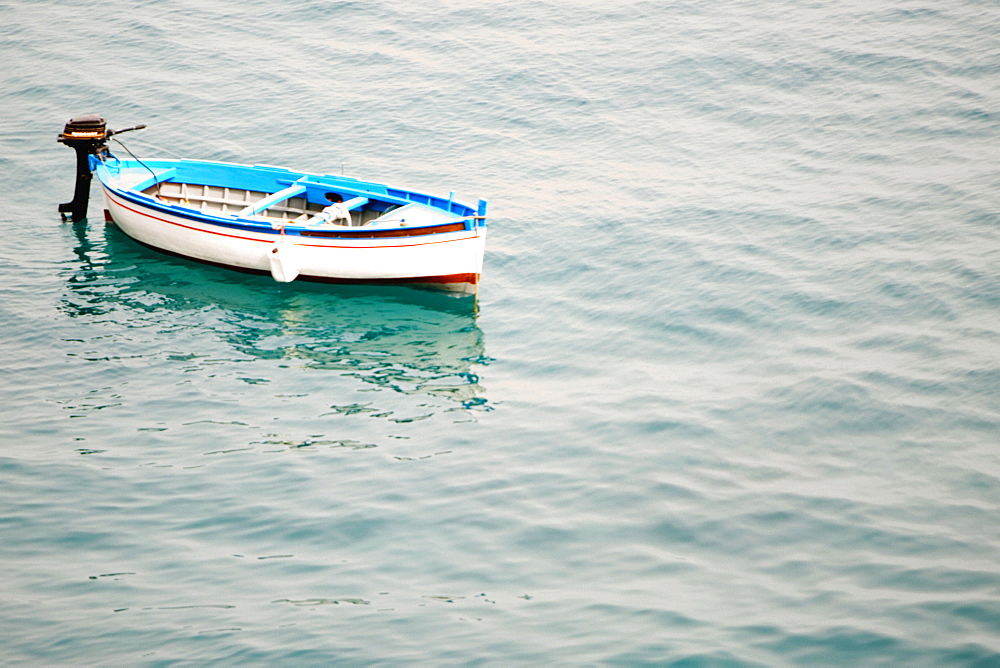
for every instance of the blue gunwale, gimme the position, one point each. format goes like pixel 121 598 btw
pixel 264 227
pixel 269 179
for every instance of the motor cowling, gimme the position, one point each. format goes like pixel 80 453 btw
pixel 84 130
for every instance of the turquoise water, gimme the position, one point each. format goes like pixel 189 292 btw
pixel 730 394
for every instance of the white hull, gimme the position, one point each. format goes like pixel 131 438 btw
pixel 452 260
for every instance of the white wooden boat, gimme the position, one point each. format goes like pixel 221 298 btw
pixel 293 225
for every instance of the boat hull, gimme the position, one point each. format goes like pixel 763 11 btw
pixel 445 256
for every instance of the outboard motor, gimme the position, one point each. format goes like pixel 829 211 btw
pixel 87 135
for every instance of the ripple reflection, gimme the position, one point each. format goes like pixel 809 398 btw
pixel 403 339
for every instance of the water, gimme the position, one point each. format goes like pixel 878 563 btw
pixel 729 394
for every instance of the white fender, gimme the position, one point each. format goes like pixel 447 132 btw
pixel 283 260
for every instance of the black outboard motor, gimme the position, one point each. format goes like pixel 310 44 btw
pixel 87 135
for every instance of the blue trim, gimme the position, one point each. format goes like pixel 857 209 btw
pixel 269 179
pixel 356 203
pixel 242 224
pixel 162 177
pixel 291 191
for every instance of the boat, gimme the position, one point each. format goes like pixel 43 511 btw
pixel 272 220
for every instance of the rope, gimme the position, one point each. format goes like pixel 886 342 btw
pixel 156 180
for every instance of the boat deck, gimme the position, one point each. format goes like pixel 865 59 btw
pixel 222 200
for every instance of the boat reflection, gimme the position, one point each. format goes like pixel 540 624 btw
pixel 400 338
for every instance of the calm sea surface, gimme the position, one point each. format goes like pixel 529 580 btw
pixel 730 394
